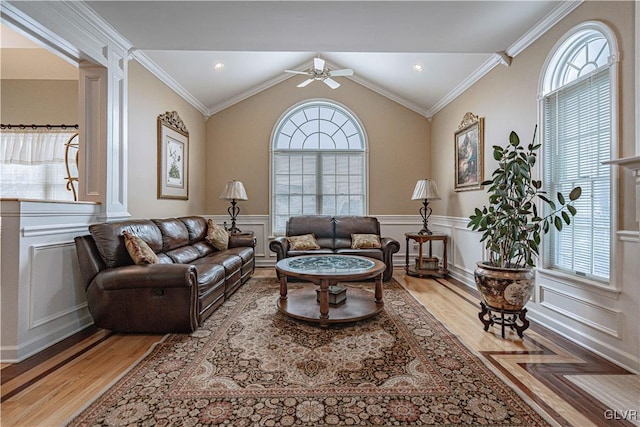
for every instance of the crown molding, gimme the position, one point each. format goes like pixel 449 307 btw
pixel 556 15
pixel 390 95
pixel 559 13
pixel 248 93
pixel 165 78
pixel 480 72
pixel 304 67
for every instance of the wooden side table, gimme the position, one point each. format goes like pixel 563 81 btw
pixel 422 270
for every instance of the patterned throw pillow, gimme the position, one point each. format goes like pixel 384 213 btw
pixel 365 241
pixel 304 242
pixel 138 249
pixel 217 236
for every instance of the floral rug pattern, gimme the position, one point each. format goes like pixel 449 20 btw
pixel 250 365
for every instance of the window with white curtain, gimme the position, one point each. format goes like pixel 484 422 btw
pixel 32 164
pixel 318 163
pixel 578 135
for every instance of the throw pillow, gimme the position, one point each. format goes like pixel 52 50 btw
pixel 138 249
pixel 304 242
pixel 365 241
pixel 217 236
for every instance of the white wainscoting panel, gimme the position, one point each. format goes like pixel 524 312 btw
pixel 54 299
pixel 43 296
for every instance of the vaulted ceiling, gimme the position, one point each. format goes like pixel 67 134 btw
pixel 456 42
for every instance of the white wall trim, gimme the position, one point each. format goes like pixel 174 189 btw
pixel 165 78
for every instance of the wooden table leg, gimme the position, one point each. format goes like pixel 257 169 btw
pixel 378 293
pixel 324 302
pixel 283 287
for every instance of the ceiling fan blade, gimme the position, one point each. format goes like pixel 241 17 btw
pixel 318 64
pixel 343 72
pixel 304 83
pixel 296 72
pixel 331 83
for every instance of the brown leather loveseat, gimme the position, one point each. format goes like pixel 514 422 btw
pixel 189 281
pixel 334 236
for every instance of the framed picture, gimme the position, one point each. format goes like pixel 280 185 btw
pixel 173 157
pixel 469 153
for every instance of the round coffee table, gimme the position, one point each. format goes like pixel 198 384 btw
pixel 327 271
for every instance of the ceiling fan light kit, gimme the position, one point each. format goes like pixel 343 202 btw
pixel 319 72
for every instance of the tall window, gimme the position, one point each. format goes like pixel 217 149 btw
pixel 318 163
pixel 579 89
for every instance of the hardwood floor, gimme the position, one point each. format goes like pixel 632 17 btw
pixel 557 376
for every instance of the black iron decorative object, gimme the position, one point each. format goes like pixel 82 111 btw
pixel 233 191
pixel 426 190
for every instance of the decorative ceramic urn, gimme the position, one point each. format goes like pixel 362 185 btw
pixel 504 288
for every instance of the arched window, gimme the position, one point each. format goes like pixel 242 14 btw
pixel 579 88
pixel 318 163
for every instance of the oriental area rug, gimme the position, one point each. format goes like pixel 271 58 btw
pixel 250 365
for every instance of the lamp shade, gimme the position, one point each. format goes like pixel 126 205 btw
pixel 234 190
pixel 426 189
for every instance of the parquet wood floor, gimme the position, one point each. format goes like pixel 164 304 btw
pixel 50 387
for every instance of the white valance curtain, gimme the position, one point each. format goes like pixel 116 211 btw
pixel 30 147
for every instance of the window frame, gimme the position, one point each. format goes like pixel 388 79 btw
pixel 273 151
pixel 550 65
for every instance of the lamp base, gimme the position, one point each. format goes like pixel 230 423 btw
pixel 425 231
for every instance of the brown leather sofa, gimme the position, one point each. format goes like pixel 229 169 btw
pixel 333 234
pixel 190 280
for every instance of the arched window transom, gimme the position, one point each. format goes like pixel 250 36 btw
pixel 318 163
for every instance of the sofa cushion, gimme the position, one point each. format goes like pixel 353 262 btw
pixel 183 255
pixel 138 249
pixel 110 243
pixel 348 225
pixel 365 241
pixel 311 252
pixel 369 253
pixel 174 233
pixel 197 227
pixel 304 242
pixel 217 236
pixel 321 226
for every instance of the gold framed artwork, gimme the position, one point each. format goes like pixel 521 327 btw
pixel 469 153
pixel 173 157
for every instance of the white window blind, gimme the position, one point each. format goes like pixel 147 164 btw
pixel 318 164
pixel 577 139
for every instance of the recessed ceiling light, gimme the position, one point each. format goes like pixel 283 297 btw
pixel 418 67
pixel 219 66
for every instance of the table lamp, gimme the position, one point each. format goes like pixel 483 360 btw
pixel 233 191
pixel 426 190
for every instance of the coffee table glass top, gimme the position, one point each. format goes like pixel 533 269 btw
pixel 327 264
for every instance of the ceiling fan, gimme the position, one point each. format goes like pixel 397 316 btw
pixel 319 72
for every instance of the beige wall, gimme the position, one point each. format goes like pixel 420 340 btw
pixel 148 98
pixel 507 99
pixel 238 142
pixel 39 102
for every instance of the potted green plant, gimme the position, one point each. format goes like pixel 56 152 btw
pixel 512 227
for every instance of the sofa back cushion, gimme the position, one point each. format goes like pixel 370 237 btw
pixel 174 233
pixel 321 226
pixel 348 225
pixel 197 227
pixel 110 242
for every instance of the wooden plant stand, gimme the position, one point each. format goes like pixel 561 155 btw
pixel 506 318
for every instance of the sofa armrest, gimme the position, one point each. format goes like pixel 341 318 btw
pixel 242 240
pixel 389 244
pixel 389 247
pixel 147 276
pixel 279 245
